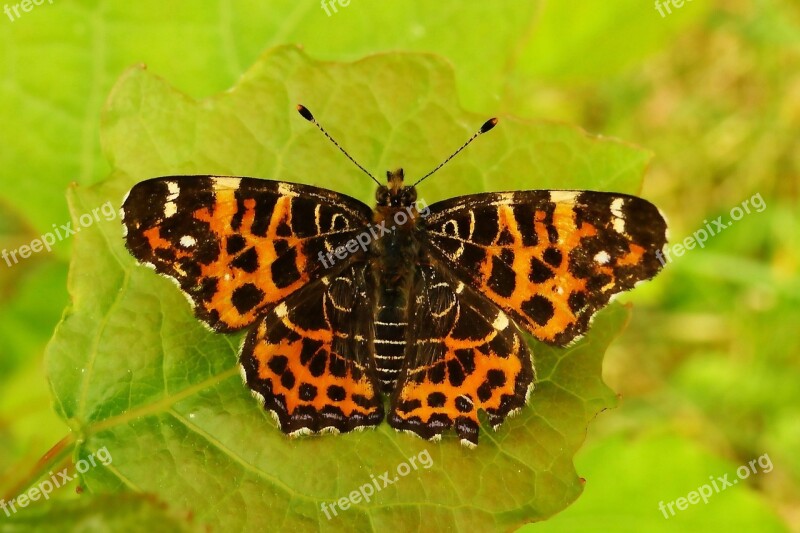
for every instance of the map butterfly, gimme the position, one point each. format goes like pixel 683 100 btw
pixel 346 304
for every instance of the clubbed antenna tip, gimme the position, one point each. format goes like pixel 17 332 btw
pixel 305 113
pixel 489 124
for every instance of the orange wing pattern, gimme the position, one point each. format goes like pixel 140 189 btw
pixel 236 246
pixel 550 259
pixel 309 361
pixel 463 355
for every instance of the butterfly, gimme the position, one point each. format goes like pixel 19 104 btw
pixel 423 304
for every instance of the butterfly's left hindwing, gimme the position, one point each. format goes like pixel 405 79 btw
pixel 237 246
pixel 463 355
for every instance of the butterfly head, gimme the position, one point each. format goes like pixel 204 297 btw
pixel 395 193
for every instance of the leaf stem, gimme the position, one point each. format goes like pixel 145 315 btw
pixel 47 462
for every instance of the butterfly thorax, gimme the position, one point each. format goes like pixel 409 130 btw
pixel 394 258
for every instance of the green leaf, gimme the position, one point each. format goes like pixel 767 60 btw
pixel 55 103
pixel 100 514
pixel 584 40
pixel 26 319
pixel 133 371
pixel 32 299
pixel 654 469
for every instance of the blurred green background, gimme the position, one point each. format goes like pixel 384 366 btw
pixel 708 368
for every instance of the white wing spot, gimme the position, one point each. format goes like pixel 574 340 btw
pixel 616 207
pixel 173 189
pixel 501 322
pixel 281 310
pixel 187 241
pixel 616 210
pixel 285 189
pixel 226 183
pixel 558 197
pixel 170 208
pixel 602 257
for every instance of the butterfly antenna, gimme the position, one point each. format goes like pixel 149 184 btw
pixel 306 114
pixel 489 124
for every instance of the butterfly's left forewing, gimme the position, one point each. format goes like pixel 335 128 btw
pixel 551 259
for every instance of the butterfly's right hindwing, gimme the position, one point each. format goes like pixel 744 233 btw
pixel 310 359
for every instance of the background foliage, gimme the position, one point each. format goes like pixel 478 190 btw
pixel 707 369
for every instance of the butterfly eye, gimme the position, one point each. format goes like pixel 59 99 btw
pixel 382 195
pixel 409 196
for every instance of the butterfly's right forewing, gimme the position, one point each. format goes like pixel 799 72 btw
pixel 237 246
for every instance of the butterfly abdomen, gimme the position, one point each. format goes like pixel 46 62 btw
pixel 394 260
pixel 390 338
